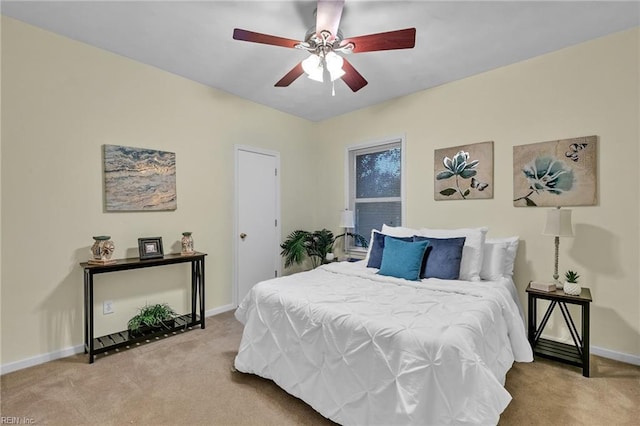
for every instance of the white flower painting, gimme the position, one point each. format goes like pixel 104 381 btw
pixel 464 172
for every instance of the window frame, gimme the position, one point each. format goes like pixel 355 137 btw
pixel 351 152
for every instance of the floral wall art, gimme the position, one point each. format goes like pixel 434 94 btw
pixel 138 179
pixel 555 173
pixel 464 172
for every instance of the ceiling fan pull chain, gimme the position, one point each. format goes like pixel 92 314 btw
pixel 333 88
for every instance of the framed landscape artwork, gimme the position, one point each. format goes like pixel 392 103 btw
pixel 139 179
pixel 464 172
pixel 556 173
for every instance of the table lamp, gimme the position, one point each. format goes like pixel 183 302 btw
pixel 347 221
pixel 558 225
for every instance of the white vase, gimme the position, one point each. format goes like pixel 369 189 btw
pixel 572 289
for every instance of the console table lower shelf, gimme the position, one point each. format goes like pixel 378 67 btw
pixel 124 338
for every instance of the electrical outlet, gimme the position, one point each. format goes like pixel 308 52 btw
pixel 107 307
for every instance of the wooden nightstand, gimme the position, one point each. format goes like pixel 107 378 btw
pixel 578 354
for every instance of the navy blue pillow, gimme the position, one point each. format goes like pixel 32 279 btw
pixel 402 259
pixel 377 248
pixel 442 259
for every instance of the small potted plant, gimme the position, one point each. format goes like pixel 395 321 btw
pixel 152 318
pixel 571 285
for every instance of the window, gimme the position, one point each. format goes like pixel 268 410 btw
pixel 376 189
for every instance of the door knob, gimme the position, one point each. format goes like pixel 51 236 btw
pixel 243 235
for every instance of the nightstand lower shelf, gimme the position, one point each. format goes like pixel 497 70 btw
pixel 558 351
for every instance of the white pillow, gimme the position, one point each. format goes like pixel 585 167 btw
pixel 472 252
pixel 499 258
pixel 398 231
pixel 494 257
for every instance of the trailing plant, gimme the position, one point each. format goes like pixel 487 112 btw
pixel 572 277
pixel 157 315
pixel 315 245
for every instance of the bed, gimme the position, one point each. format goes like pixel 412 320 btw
pixel 364 348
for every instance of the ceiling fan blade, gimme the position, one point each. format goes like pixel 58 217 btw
pixel 291 76
pixel 245 35
pixel 328 16
pixel 351 77
pixel 399 39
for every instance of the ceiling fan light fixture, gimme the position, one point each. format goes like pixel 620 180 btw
pixel 325 43
pixel 334 65
pixel 312 66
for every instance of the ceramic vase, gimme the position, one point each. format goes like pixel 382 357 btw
pixel 102 248
pixel 187 243
pixel 572 289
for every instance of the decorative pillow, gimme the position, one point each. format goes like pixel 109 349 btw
pixel 442 258
pixel 493 261
pixel 402 259
pixel 398 231
pixel 499 256
pixel 368 255
pixel 471 262
pixel 377 248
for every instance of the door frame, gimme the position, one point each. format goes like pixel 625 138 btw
pixel 236 210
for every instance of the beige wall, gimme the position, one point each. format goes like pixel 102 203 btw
pixel 589 89
pixel 63 100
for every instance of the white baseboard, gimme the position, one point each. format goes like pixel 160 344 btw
pixel 616 356
pixel 73 350
pixel 40 359
pixel 220 310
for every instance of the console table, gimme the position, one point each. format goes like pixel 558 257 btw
pixel 576 354
pixel 96 345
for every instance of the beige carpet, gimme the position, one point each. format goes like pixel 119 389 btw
pixel 188 380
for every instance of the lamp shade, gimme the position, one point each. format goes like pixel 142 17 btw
pixel 334 65
pixel 558 223
pixel 347 219
pixel 313 67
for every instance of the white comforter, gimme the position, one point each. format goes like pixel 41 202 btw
pixel 364 349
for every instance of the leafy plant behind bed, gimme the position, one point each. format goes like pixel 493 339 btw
pixel 315 245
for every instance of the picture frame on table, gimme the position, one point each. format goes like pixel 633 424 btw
pixel 150 248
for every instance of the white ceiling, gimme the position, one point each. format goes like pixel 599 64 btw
pixel 455 39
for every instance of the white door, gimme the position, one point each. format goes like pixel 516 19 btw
pixel 257 228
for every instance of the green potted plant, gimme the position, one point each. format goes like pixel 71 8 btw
pixel 151 317
pixel 315 245
pixel 571 285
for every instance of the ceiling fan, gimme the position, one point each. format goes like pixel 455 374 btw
pixel 325 42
